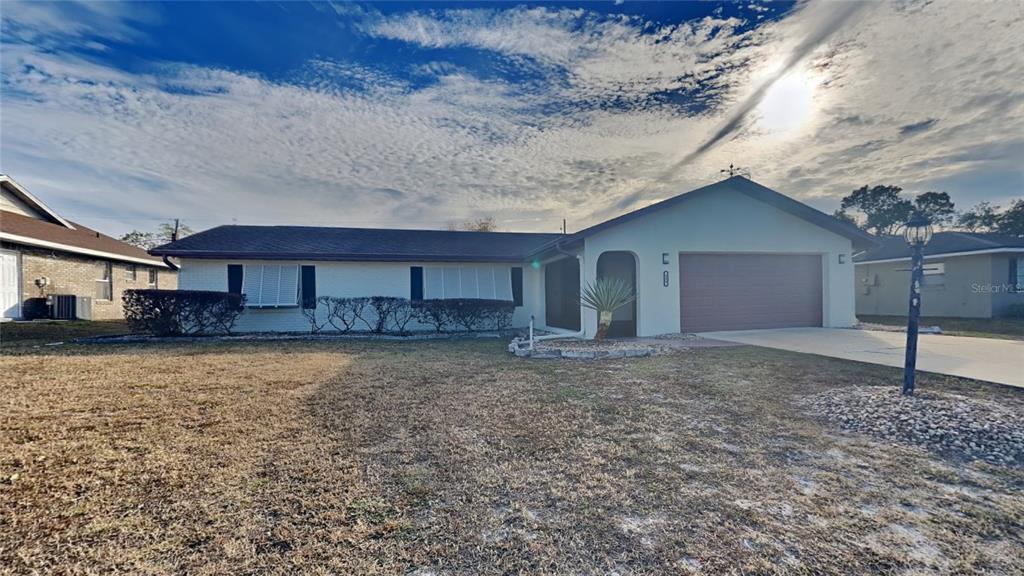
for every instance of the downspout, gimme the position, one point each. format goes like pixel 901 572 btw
pixel 171 265
pixel 581 260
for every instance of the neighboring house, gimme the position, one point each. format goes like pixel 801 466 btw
pixel 43 254
pixel 966 274
pixel 731 255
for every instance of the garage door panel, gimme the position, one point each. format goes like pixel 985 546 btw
pixel 749 291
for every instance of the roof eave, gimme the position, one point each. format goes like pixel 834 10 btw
pixel 334 256
pixel 61 247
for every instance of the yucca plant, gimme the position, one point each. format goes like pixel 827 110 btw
pixel 605 297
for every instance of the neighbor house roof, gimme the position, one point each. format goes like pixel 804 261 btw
pixel 73 237
pixel 358 244
pixel 944 244
pixel 860 238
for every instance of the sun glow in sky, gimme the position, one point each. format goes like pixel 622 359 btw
pixel 788 104
pixel 124 115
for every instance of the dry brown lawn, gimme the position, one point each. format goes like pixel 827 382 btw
pixel 453 458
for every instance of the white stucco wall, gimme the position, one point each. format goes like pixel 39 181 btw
pixel 722 222
pixel 334 279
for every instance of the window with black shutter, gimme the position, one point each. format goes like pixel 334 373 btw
pixel 308 287
pixel 235 278
pixel 416 283
pixel 517 286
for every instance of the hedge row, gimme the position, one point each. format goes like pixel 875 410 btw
pixel 182 312
pixel 389 315
pixel 199 312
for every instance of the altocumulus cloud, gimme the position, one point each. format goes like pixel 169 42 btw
pixel 582 130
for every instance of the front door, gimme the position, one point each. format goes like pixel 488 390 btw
pixel 562 294
pixel 621 265
pixel 10 285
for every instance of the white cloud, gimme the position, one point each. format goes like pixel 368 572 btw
pixel 348 144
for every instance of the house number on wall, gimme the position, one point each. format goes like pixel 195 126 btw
pixel 664 278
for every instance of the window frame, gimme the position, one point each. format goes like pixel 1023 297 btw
pixel 259 303
pixel 448 281
pixel 131 272
pixel 937 272
pixel 153 278
pixel 107 271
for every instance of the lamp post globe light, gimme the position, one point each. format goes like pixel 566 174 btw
pixel 917 232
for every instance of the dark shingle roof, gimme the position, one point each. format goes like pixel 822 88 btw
pixel 941 243
pixel 369 244
pixel 860 238
pixel 358 244
pixel 77 239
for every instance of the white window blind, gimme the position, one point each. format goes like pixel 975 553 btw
pixel 487 282
pixel 269 285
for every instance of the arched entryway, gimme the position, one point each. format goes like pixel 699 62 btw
pixel 620 265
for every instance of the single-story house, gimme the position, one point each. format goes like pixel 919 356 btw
pixel 966 275
pixel 43 254
pixel 731 255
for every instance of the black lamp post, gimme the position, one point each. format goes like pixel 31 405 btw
pixel 917 232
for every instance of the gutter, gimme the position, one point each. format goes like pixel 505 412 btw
pixel 1006 250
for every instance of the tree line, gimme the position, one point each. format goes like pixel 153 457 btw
pixel 882 210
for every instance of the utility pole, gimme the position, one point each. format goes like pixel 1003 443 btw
pixel 563 225
pixel 174 235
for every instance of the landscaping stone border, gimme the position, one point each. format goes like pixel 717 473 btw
pixel 576 349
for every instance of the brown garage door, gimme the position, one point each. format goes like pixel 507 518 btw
pixel 749 291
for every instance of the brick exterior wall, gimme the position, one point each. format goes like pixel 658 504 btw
pixel 77 274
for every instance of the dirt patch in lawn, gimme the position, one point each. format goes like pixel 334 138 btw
pixel 456 458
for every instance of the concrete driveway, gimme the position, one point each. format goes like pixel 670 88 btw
pixel 987 359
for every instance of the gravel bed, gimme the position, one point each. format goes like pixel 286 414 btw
pixel 941 422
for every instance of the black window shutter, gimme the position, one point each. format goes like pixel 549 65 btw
pixel 1013 275
pixel 416 283
pixel 517 286
pixel 235 278
pixel 308 287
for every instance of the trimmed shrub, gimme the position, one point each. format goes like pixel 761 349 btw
pixel 384 308
pixel 401 316
pixel 473 314
pixel 342 313
pixel 433 313
pixel 390 315
pixel 182 312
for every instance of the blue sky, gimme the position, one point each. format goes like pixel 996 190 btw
pixel 415 115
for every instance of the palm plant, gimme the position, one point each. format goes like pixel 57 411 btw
pixel 605 297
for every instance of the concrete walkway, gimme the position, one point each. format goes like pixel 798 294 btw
pixel 988 359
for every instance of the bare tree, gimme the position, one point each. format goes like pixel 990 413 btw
pixel 483 224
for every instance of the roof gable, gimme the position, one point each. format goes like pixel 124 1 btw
pixel 23 202
pixel 749 188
